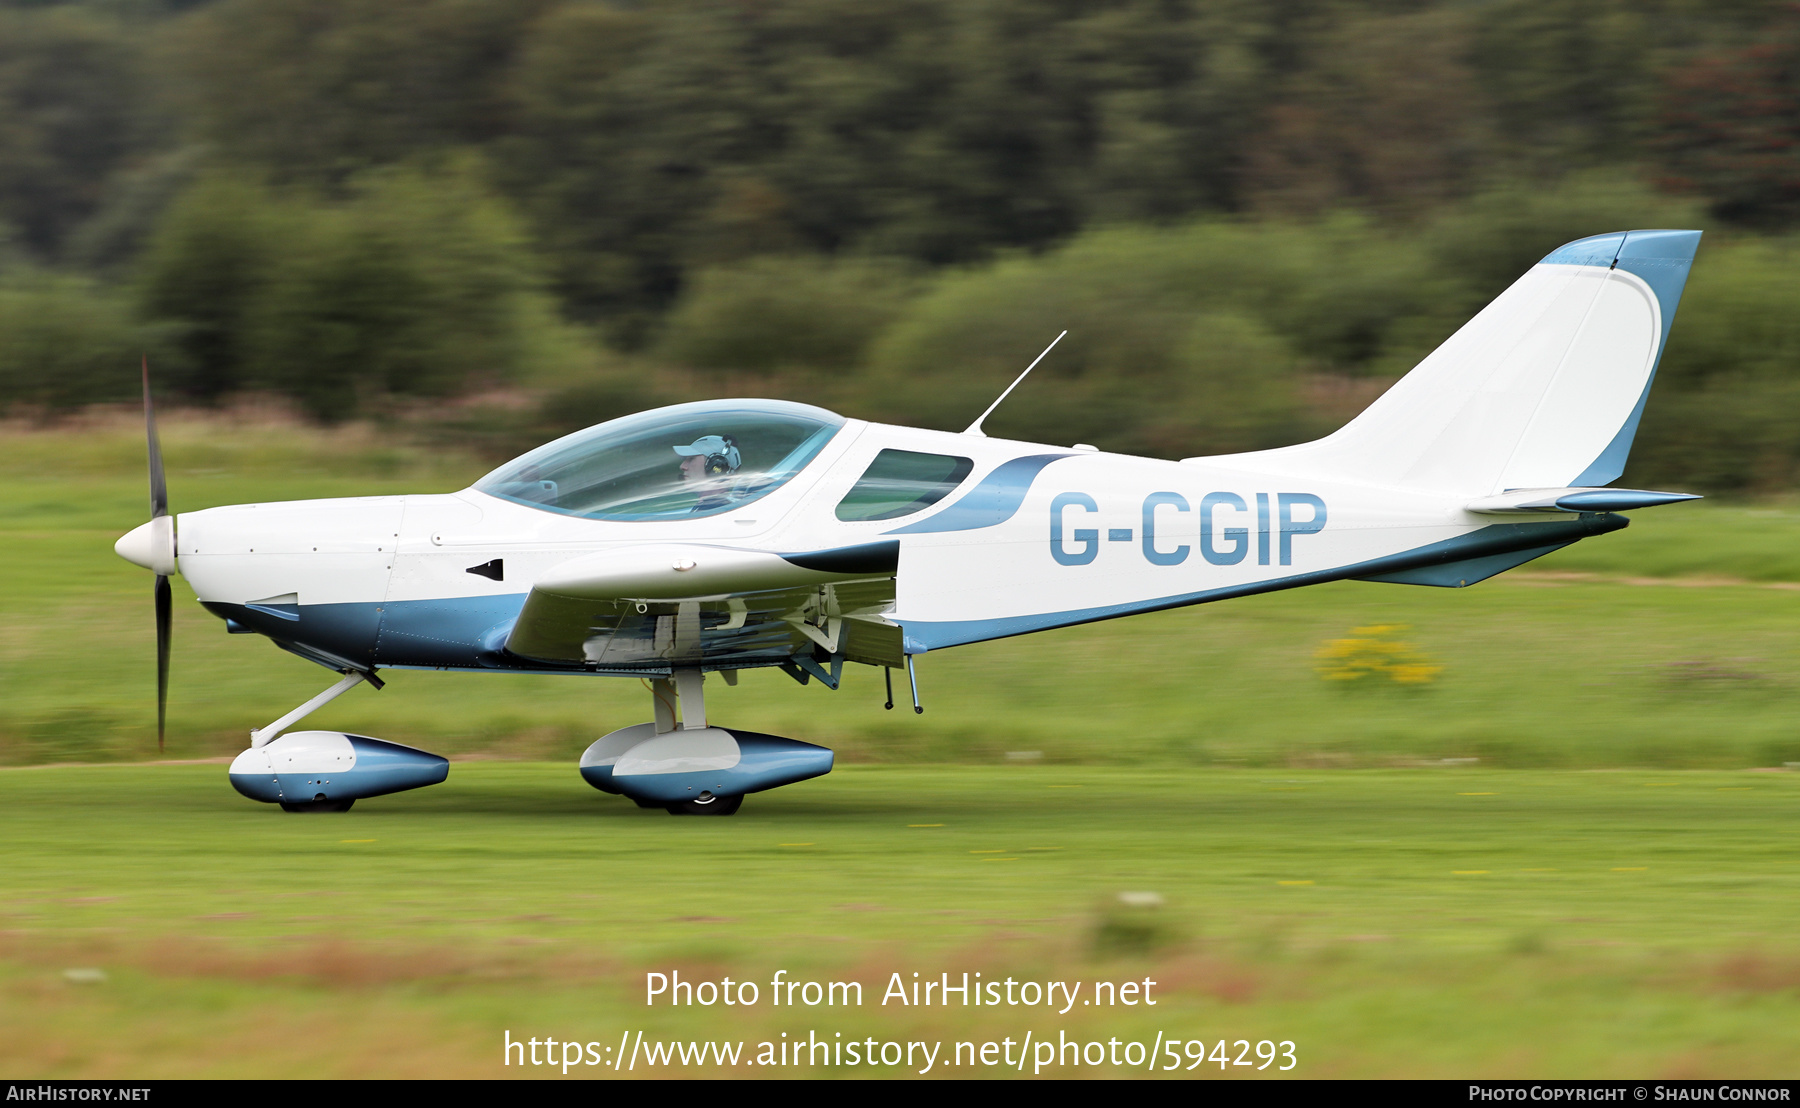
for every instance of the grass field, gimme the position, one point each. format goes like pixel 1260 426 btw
pixel 1447 922
pixel 1608 888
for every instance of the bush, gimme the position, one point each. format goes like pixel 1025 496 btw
pixel 208 260
pixel 1171 347
pixel 415 283
pixel 65 341
pixel 416 286
pixel 784 312
pixel 1725 413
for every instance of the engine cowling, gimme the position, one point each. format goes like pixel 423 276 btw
pixel 307 766
pixel 681 765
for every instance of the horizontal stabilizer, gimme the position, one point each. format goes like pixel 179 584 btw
pixel 1515 501
pixel 1469 571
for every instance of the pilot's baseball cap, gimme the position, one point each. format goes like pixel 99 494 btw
pixel 706 444
pixel 713 446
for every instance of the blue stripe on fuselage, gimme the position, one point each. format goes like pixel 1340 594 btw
pixel 450 633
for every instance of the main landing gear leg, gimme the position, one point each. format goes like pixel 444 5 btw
pixel 684 764
pixel 689 687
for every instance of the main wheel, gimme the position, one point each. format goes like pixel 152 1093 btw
pixel 706 804
pixel 318 806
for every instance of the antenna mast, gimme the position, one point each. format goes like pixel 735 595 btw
pixel 975 428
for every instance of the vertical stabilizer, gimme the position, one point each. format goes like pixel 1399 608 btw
pixel 1544 388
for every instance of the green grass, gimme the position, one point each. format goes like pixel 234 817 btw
pixel 1447 922
pixel 1752 542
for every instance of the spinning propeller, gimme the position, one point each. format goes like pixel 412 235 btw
pixel 152 545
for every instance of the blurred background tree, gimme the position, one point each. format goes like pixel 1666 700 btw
pixel 72 89
pixel 1730 127
pixel 66 342
pixel 404 282
pixel 1251 216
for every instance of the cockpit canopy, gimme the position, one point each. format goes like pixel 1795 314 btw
pixel 680 462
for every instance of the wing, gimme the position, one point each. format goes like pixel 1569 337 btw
pixel 662 605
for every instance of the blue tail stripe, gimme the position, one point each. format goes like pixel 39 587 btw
pixel 1597 250
pixel 1662 260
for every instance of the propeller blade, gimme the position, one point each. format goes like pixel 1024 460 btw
pixel 159 507
pixel 164 628
pixel 159 488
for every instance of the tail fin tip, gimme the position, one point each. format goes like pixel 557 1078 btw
pixel 1616 248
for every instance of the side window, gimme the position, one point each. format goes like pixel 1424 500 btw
pixel 901 482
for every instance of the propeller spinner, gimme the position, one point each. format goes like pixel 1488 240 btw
pixel 152 545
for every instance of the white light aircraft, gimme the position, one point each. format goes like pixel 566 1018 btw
pixel 707 538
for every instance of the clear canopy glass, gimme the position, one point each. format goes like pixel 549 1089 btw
pixel 680 462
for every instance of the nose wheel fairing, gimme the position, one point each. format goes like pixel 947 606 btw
pixel 312 767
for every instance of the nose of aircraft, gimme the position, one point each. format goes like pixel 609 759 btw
pixel 150 545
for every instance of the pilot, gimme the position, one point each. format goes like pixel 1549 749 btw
pixel 707 464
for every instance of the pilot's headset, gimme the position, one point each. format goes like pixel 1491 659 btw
pixel 720 452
